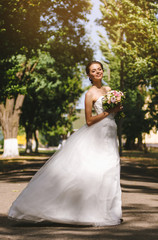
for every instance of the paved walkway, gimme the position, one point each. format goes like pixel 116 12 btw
pixel 140 208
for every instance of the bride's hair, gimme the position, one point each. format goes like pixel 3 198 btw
pixel 88 66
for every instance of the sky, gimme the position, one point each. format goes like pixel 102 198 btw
pixel 92 29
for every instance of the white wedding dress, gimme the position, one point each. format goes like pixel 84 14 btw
pixel 79 184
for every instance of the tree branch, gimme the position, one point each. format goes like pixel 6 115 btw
pixel 33 67
pixel 19 103
pixel 9 106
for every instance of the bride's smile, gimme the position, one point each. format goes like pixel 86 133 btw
pixel 95 72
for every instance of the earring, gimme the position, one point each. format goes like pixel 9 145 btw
pixel 91 80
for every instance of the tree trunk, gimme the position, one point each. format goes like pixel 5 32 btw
pixel 140 145
pixel 129 145
pixel 10 148
pixel 120 121
pixel 28 141
pixel 120 136
pixel 36 140
pixel 9 119
pixel 10 116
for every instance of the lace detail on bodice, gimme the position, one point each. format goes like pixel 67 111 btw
pixel 98 107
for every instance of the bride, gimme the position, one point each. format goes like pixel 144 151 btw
pixel 80 183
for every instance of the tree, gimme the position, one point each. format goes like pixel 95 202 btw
pixel 132 30
pixel 21 27
pixel 52 100
pixel 19 34
pixel 25 27
pixel 153 103
pixel 10 108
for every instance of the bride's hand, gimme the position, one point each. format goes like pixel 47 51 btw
pixel 116 109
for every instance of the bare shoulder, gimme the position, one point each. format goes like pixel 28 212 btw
pixel 107 88
pixel 90 94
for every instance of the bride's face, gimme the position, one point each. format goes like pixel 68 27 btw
pixel 95 72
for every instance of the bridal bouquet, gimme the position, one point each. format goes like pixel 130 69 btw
pixel 111 99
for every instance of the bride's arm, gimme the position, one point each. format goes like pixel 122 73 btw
pixel 90 120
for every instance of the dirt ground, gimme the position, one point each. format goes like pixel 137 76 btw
pixel 139 181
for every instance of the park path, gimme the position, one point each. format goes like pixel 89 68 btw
pixel 140 209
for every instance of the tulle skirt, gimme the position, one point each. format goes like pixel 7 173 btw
pixel 79 184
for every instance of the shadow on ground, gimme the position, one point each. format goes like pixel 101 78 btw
pixel 46 230
pixel 139 171
pixel 139 178
pixel 23 168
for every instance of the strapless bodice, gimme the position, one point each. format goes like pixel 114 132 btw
pixel 98 107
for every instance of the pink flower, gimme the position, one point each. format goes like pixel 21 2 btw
pixel 116 93
pixel 113 99
pixel 119 98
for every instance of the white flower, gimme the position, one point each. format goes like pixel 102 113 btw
pixel 113 99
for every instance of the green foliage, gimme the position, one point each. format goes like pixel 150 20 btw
pixel 11 85
pixel 132 126
pixel 132 52
pixel 132 29
pixel 21 26
pixel 153 106
pixel 49 97
pixel 42 45
pixel 25 26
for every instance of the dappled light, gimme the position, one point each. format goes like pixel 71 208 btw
pixel 45 46
pixel 139 196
